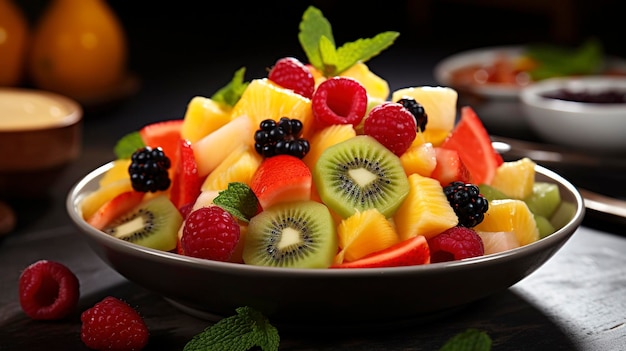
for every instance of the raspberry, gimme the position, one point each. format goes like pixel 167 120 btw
pixel 149 170
pixel 211 233
pixel 454 244
pixel 339 100
pixel 392 125
pixel 468 204
pixel 48 290
pixel 292 74
pixel 112 324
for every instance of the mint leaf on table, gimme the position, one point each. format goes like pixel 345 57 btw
pixel 318 43
pixel 239 200
pixel 240 332
pixel 127 145
pixel 469 340
pixel 558 61
pixel 231 92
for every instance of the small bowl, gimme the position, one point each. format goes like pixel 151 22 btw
pixel 589 126
pixel 322 298
pixel 40 133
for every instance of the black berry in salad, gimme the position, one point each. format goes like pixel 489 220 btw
pixel 468 204
pixel 417 110
pixel 149 170
pixel 281 138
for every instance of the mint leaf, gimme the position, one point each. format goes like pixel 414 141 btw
pixel 316 39
pixel 313 27
pixel 557 61
pixel 469 340
pixel 239 200
pixel 127 145
pixel 363 49
pixel 231 92
pixel 241 332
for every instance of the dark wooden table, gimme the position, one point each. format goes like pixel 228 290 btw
pixel 576 301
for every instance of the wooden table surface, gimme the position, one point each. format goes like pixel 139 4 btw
pixel 576 301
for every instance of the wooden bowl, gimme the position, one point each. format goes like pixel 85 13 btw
pixel 40 134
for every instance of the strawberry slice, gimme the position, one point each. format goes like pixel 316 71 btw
pixel 281 178
pixel 164 134
pixel 186 182
pixel 471 140
pixel 114 208
pixel 410 252
pixel 449 167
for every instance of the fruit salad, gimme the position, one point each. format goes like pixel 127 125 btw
pixel 320 165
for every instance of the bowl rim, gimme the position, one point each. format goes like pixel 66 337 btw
pixel 532 94
pixel 560 236
pixel 75 116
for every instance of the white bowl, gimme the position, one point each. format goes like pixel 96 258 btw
pixel 322 298
pixel 595 127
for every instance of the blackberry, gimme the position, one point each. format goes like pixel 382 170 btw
pixel 468 204
pixel 149 170
pixel 280 138
pixel 417 110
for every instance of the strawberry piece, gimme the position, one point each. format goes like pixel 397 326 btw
pixel 112 324
pixel 186 181
pixel 410 252
pixel 471 140
pixel 211 233
pixel 281 178
pixel 48 290
pixel 339 100
pixel 454 244
pixel 449 167
pixel 164 134
pixel 290 73
pixel 114 208
pixel 392 125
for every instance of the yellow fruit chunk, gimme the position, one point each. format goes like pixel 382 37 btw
pixel 425 211
pixel 515 178
pixel 440 106
pixel 117 172
pixel 92 202
pixel 326 137
pixel 263 100
pixel 375 86
pixel 364 233
pixel 420 159
pixel 239 166
pixel 510 215
pixel 211 150
pixel 202 117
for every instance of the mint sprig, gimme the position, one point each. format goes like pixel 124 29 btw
pixel 247 329
pixel 318 43
pixel 469 340
pixel 239 200
pixel 127 145
pixel 231 92
pixel 557 61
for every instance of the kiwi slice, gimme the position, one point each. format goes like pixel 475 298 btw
pixel 298 234
pixel 358 174
pixel 152 224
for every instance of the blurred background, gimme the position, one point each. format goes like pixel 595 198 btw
pixel 206 32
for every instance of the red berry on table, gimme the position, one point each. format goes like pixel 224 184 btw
pixel 292 74
pixel 112 324
pixel 455 243
pixel 392 125
pixel 48 290
pixel 339 100
pixel 211 233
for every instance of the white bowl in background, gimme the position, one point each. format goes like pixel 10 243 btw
pixel 594 127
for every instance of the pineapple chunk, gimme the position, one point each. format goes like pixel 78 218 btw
pixel 326 137
pixel 421 159
pixel 510 215
pixel 376 87
pixel 515 178
pixel 202 117
pixel 425 211
pixel 364 233
pixel 239 166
